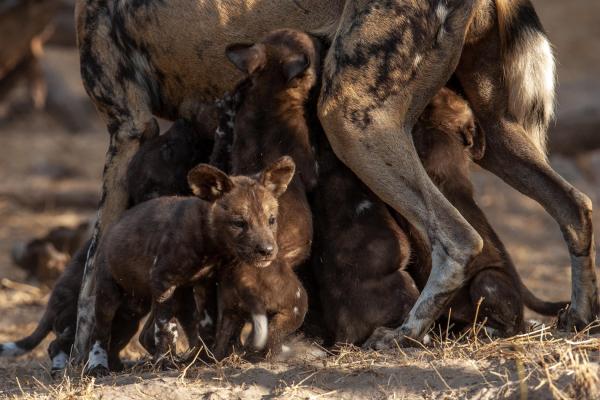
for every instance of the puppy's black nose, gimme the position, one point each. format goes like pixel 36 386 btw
pixel 265 249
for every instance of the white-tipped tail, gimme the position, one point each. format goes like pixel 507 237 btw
pixel 11 349
pixel 260 327
pixel 529 69
pixel 530 76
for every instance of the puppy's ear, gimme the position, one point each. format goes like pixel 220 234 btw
pixel 295 65
pixel 247 57
pixel 474 140
pixel 208 183
pixel 278 175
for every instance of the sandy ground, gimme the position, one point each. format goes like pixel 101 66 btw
pixel 49 177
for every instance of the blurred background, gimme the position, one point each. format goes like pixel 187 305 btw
pixel 52 147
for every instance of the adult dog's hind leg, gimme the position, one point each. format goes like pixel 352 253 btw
pixel 514 152
pixel 386 62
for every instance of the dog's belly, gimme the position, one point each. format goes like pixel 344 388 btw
pixel 186 39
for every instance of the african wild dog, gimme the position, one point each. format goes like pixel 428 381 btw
pixel 270 122
pixel 447 141
pixel 158 169
pixel 45 258
pixel 386 61
pixel 161 165
pixel 170 242
pixel 60 316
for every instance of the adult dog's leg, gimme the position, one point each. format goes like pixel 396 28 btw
pixel 386 61
pixel 119 85
pixel 509 81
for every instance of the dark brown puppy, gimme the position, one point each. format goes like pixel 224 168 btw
pixel 270 122
pixel 45 258
pixel 161 165
pixel 170 242
pixel 157 169
pixel 447 140
pixel 160 168
pixel 59 317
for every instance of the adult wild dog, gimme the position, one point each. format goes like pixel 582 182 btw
pixel 447 141
pixel 386 60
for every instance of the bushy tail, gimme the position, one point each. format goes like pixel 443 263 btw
pixel 529 69
pixel 550 308
pixel 25 345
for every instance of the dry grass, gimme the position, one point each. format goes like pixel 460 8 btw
pixel 539 364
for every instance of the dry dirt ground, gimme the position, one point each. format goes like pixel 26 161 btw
pixel 49 177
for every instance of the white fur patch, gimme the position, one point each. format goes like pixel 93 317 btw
pixel 298 293
pixel 206 321
pixel 363 206
pixel 11 350
pixel 219 132
pixel 59 361
pixel 441 12
pixel 285 349
pixel 260 326
pixel 98 357
pixel 417 60
pixel 530 74
pixel 172 328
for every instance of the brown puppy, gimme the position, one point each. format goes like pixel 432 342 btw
pixel 157 169
pixel 271 122
pixel 447 140
pixel 232 218
pixel 161 165
pixel 45 258
pixel 59 317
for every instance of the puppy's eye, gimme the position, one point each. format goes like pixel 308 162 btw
pixel 272 220
pixel 239 223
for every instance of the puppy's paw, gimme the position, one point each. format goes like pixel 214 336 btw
pixel 98 371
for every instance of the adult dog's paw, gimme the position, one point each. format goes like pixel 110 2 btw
pixel 386 338
pixel 569 319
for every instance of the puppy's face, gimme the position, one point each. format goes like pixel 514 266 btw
pixel 243 217
pixel 244 221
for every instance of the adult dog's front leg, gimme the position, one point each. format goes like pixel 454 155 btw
pixel 385 63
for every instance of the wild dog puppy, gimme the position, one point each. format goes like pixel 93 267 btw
pixel 447 140
pixel 161 165
pixel 45 258
pixel 359 255
pixel 281 71
pixel 270 123
pixel 170 242
pixel 60 316
pixel 157 169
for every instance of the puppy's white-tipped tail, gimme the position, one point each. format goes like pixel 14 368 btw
pixel 260 327
pixel 11 349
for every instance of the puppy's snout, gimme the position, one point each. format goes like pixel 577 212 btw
pixel 265 250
